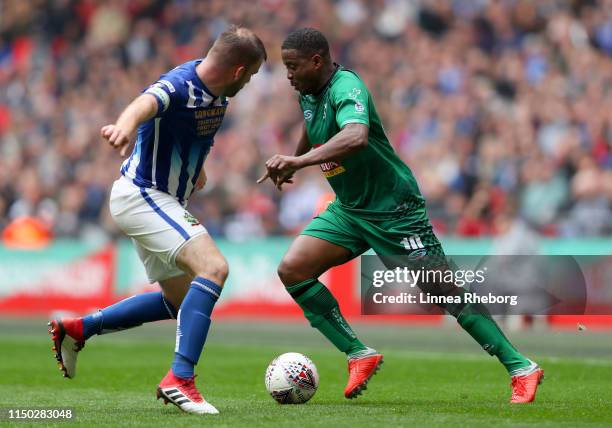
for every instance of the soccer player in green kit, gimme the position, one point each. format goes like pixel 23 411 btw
pixel 378 205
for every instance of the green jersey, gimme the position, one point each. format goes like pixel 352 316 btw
pixel 373 182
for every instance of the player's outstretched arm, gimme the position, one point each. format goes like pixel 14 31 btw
pixel 138 111
pixel 352 138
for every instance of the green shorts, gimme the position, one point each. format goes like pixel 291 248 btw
pixel 409 233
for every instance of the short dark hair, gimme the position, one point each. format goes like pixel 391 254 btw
pixel 307 41
pixel 239 45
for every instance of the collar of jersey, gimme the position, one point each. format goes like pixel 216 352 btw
pixel 327 84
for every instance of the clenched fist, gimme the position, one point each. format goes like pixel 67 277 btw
pixel 116 137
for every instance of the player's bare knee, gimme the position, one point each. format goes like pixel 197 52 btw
pixel 289 271
pixel 215 269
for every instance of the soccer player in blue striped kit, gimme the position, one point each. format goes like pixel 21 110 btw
pixel 176 118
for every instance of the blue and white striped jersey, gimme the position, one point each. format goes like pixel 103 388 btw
pixel 171 147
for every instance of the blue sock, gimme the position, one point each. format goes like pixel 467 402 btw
pixel 192 325
pixel 130 312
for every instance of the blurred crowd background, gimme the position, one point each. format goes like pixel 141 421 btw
pixel 502 109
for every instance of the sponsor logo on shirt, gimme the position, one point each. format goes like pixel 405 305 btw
pixel 209 120
pixel 307 114
pixel 331 169
pixel 209 112
pixel 359 108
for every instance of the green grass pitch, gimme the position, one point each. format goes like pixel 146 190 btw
pixel 431 377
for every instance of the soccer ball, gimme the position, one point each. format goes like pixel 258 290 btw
pixel 292 378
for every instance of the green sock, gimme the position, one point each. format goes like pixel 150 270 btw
pixel 321 309
pixel 476 320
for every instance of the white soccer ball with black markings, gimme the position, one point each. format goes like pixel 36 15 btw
pixel 292 378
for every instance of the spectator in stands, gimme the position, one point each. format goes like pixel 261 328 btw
pixel 511 97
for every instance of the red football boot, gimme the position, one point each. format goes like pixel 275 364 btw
pixel 361 371
pixel 524 387
pixel 67 337
pixel 183 394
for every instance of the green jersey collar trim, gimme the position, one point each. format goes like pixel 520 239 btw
pixel 316 97
pixel 337 67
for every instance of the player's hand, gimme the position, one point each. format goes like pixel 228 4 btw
pixel 282 180
pixel 280 170
pixel 279 180
pixel 201 181
pixel 279 184
pixel 116 137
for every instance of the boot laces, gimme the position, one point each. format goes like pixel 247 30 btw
pixel 190 389
pixel 518 386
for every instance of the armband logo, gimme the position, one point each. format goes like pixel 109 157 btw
pixel 161 94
